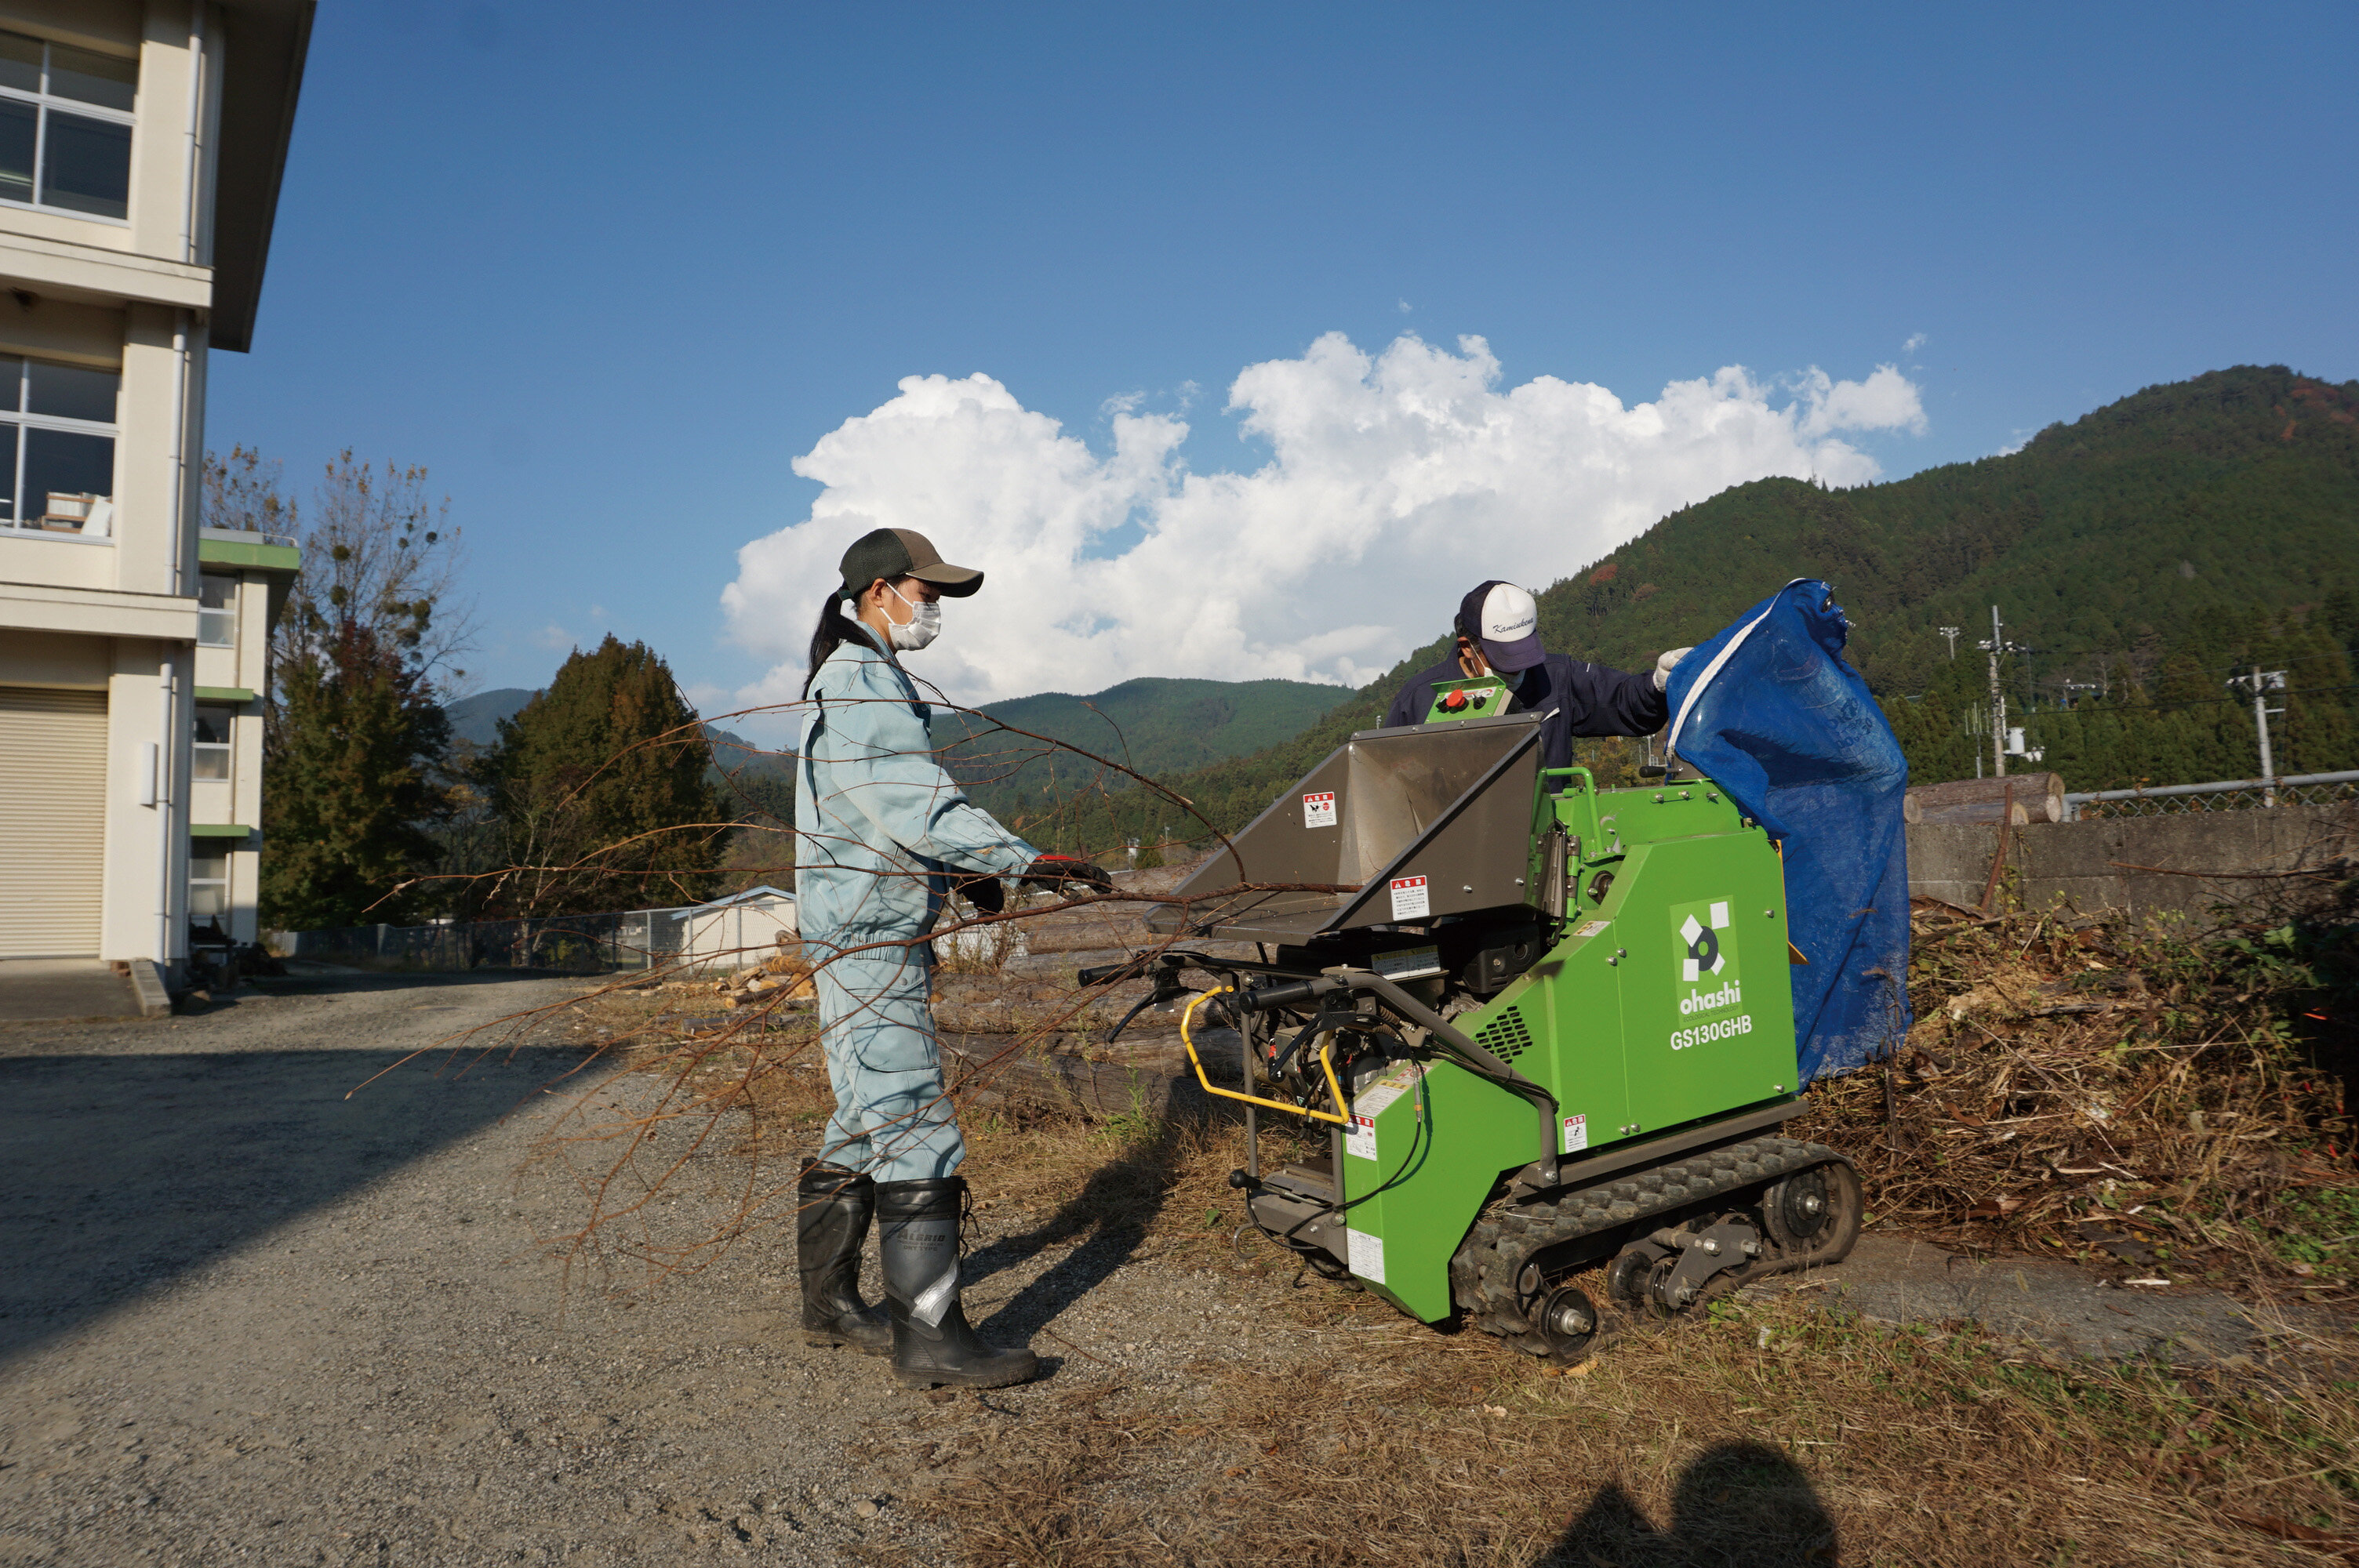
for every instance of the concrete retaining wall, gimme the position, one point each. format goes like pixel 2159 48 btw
pixel 2092 864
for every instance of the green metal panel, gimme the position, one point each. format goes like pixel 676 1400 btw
pixel 218 830
pixel 1484 696
pixel 223 693
pixel 1417 1170
pixel 1707 1005
pixel 257 555
pixel 1570 1002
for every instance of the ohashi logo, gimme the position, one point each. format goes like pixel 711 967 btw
pixel 1707 953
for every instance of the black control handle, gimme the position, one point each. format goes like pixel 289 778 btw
pixel 1106 974
pixel 1261 999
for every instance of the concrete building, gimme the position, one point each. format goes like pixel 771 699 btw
pixel 141 143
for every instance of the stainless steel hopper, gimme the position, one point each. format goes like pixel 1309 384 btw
pixel 1451 803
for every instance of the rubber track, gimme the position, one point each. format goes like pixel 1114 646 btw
pixel 1483 1274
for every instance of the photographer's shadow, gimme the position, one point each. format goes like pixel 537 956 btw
pixel 1737 1503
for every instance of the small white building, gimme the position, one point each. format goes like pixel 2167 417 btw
pixel 141 143
pixel 744 928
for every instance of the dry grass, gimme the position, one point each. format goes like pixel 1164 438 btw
pixel 1762 1434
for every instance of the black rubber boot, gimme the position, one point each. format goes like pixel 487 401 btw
pixel 833 1207
pixel 918 1236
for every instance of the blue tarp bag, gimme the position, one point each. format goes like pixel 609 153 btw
pixel 1769 711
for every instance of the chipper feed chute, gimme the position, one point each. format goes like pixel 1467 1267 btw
pixel 1549 1025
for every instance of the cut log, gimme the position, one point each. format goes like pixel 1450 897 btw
pixel 2037 797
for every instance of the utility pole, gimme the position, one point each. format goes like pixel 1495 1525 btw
pixel 2261 682
pixel 1997 645
pixel 1952 633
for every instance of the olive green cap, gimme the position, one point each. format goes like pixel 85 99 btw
pixel 891 553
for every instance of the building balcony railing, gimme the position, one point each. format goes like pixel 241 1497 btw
pixel 249 536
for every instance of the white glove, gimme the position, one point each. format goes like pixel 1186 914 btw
pixel 1663 665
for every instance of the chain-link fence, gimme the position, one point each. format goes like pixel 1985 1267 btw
pixel 697 936
pixel 2226 795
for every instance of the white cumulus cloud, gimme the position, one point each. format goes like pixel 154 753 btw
pixel 1392 483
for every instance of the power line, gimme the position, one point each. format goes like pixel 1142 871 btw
pixel 2123 709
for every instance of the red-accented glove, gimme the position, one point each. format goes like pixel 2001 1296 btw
pixel 984 892
pixel 1060 873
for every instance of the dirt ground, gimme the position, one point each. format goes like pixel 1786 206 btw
pixel 249 1315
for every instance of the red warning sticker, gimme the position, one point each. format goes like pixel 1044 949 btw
pixel 1319 810
pixel 1411 899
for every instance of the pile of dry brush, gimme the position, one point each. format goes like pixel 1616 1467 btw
pixel 2170 1096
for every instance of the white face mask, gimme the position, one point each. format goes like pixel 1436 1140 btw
pixel 925 622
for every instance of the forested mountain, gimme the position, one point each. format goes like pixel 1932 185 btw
pixel 1152 726
pixel 476 718
pixel 2148 551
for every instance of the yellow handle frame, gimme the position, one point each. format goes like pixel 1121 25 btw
pixel 1197 1061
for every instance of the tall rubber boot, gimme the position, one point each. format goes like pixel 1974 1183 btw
pixel 833 1208
pixel 918 1236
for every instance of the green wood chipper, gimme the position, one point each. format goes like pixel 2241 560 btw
pixel 1549 1026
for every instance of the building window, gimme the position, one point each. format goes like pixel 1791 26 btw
pixel 208 881
pixel 216 610
pixel 57 446
pixel 210 752
pixel 65 127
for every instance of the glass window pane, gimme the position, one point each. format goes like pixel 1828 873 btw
pixel 74 391
pixel 62 466
pixel 8 470
pixel 100 79
pixel 20 63
pixel 207 862
pixel 209 761
pixel 217 628
pixel 86 166
pixel 16 150
pixel 216 592
pixel 206 899
pixel 12 382
pixel 212 724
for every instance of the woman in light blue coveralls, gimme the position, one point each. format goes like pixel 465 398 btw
pixel 883 835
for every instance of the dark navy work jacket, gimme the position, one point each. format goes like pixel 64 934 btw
pixel 1589 699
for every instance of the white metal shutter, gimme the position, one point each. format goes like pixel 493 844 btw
pixel 52 821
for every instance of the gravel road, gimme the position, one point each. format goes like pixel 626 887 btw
pixel 245 1318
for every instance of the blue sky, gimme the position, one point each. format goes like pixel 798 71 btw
pixel 609 283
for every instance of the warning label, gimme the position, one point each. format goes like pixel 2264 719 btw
pixel 1360 1137
pixel 1410 963
pixel 1319 810
pixel 1576 1134
pixel 1410 900
pixel 1591 927
pixel 1367 1255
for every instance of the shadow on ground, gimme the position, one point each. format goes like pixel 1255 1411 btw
pixel 1735 1502
pixel 127 1167
pixel 1103 1224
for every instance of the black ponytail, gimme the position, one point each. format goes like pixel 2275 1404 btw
pixel 835 629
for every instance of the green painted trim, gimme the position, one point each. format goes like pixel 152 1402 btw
pixel 223 693
pixel 219 831
pixel 237 553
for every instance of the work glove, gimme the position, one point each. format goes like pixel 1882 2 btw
pixel 1059 873
pixel 1664 665
pixel 984 892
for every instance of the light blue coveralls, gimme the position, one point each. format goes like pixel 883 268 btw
pixel 877 824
